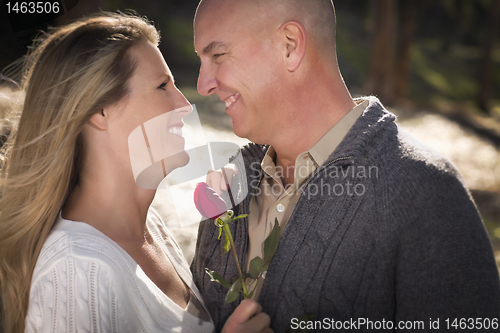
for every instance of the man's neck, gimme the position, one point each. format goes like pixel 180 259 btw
pixel 288 165
pixel 294 141
pixel 314 104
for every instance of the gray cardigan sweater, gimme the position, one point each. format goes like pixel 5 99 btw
pixel 406 243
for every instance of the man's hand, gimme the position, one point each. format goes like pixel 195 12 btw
pixel 216 180
pixel 248 318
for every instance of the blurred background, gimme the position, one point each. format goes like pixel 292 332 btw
pixel 435 63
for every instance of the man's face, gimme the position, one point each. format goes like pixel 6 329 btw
pixel 241 67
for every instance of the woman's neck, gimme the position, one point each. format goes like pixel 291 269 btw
pixel 115 206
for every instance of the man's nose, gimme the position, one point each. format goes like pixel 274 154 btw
pixel 206 81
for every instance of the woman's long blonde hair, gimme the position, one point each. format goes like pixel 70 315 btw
pixel 70 75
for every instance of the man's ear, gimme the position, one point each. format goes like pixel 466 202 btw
pixel 99 120
pixel 294 37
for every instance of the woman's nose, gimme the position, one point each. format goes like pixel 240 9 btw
pixel 182 102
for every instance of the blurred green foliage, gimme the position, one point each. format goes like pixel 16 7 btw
pixel 445 55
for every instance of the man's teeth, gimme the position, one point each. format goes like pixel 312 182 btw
pixel 231 100
pixel 175 130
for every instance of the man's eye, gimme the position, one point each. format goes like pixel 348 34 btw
pixel 217 55
pixel 162 86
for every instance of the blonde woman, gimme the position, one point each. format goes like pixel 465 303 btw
pixel 80 248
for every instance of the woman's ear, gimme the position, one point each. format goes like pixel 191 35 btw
pixel 99 120
pixel 294 36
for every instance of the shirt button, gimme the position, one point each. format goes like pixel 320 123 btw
pixel 280 208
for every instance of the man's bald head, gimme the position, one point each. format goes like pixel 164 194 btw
pixel 273 63
pixel 317 16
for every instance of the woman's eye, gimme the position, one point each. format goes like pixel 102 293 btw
pixel 162 86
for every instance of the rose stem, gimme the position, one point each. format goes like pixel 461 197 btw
pixel 233 248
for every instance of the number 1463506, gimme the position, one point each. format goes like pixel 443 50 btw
pixel 39 7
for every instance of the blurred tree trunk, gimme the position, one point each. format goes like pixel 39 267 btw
pixel 381 75
pixel 409 24
pixel 486 71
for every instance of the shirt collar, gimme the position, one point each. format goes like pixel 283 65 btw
pixel 330 141
pixel 322 149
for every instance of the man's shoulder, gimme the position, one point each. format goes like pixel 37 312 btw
pixel 413 159
pixel 420 182
pixel 403 168
pixel 376 139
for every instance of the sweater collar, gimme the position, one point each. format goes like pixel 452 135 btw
pixel 373 119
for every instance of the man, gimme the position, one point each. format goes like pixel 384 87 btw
pixel 376 231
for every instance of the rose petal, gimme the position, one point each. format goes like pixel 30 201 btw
pixel 208 202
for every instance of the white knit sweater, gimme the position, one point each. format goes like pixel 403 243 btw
pixel 85 282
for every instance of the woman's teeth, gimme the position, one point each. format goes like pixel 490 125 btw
pixel 175 130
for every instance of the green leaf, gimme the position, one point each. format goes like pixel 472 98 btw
pixel 227 245
pixel 239 217
pixel 271 243
pixel 215 277
pixel 255 267
pixel 220 232
pixel 232 294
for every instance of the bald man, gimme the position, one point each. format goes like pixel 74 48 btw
pixel 376 230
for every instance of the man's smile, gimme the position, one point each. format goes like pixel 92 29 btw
pixel 231 100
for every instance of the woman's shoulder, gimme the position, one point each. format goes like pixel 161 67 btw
pixel 79 280
pixel 83 275
pixel 82 247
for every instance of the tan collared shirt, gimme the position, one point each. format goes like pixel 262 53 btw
pixel 273 200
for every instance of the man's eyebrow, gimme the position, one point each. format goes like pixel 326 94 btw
pixel 215 45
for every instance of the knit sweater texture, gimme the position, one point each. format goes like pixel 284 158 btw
pixel 384 230
pixel 85 282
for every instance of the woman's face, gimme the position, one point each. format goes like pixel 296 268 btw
pixel 152 94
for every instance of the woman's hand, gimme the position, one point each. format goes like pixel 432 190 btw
pixel 248 318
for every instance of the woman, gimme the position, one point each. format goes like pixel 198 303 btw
pixel 80 247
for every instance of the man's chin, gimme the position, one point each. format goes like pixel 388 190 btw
pixel 246 134
pixel 241 131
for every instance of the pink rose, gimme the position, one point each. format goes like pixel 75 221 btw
pixel 208 202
